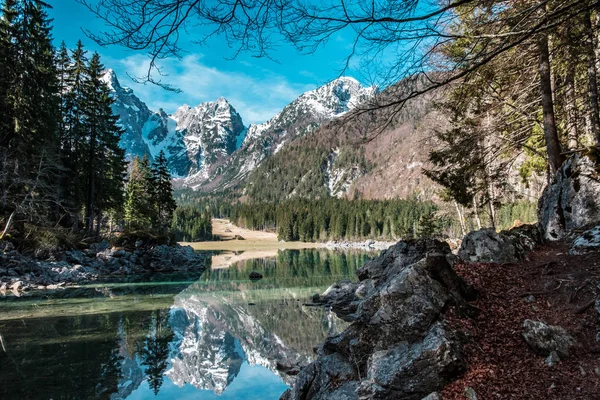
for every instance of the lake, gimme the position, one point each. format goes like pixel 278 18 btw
pixel 214 336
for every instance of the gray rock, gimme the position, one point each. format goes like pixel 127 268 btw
pixel 488 246
pixel 409 370
pixel 572 200
pixel 397 345
pixel 544 339
pixel 470 393
pixel 552 359
pixel 342 299
pixel 587 242
pixel 432 396
pixel 403 253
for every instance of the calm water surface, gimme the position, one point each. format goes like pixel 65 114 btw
pixel 217 336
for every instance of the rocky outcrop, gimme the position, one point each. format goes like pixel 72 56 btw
pixel 588 241
pixel 20 272
pixel 572 200
pixel 545 339
pixel 488 246
pixel 398 345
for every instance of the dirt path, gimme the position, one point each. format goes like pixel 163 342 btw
pixel 551 286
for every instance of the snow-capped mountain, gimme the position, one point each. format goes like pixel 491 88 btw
pixel 193 138
pixel 132 112
pixel 301 116
pixel 320 105
pixel 208 147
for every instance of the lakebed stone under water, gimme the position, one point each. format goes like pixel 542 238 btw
pixel 219 336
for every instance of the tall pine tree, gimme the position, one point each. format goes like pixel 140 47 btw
pixel 164 202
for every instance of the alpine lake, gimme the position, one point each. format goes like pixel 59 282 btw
pixel 214 335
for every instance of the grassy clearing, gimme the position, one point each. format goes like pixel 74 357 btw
pixel 252 240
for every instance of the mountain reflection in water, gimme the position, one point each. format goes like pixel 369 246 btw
pixel 220 336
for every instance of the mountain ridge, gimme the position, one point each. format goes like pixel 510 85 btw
pixel 208 147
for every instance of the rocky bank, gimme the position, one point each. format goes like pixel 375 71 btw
pixel 404 341
pixel 19 272
pixel 398 345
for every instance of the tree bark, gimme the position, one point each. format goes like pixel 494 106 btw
pixel 476 214
pixel 463 228
pixel 594 114
pixel 571 108
pixel 555 159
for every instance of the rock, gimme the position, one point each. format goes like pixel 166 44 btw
pixel 16 286
pixel 432 396
pixel 97 247
pixel 488 246
pixel 572 200
pixel 470 393
pixel 341 298
pixel 544 339
pixel 409 370
pixel 403 253
pixel 552 359
pixel 530 298
pixel 255 276
pixel 6 246
pixel 587 242
pixel 397 345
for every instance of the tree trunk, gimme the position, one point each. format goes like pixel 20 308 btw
pixel 594 114
pixel 571 108
pixel 555 159
pixel 98 224
pixel 476 214
pixel 8 225
pixel 463 228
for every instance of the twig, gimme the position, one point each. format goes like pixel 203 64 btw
pixel 585 307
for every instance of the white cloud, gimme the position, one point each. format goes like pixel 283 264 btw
pixel 257 95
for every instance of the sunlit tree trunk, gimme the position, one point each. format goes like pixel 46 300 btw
pixel 476 213
pixel 461 219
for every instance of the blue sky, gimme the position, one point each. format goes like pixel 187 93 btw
pixel 257 88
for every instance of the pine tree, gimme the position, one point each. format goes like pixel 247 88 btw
pixel 104 159
pixel 138 199
pixel 8 51
pixel 65 82
pixel 30 100
pixel 164 202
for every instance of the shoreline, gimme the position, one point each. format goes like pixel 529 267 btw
pixel 22 272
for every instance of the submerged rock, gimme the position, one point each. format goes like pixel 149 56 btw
pixel 545 339
pixel 255 276
pixel 398 345
pixel 572 200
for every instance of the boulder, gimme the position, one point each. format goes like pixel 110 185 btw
pixel 572 200
pixel 403 253
pixel 397 345
pixel 544 339
pixel 255 276
pixel 587 242
pixel 342 299
pixel 488 246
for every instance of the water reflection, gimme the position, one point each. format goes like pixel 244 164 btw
pixel 220 336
